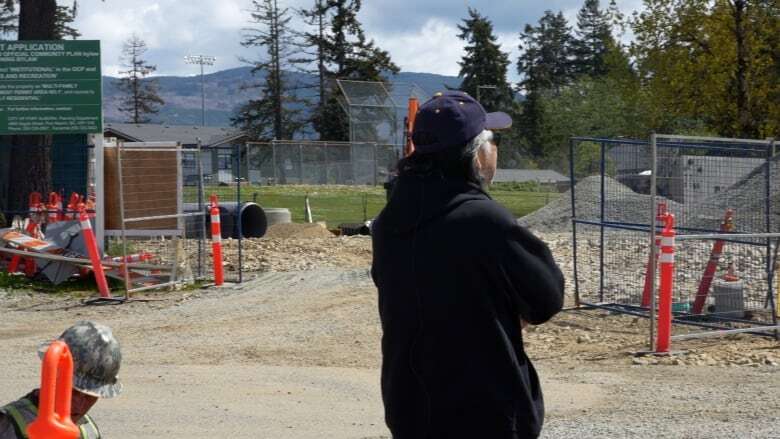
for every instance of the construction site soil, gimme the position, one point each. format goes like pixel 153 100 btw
pixel 295 353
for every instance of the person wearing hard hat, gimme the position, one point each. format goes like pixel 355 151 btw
pixel 458 279
pixel 96 360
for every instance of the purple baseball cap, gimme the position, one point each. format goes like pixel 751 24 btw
pixel 452 119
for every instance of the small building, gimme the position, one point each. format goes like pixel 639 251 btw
pixel 546 177
pixel 218 146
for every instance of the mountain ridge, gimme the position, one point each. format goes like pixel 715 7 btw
pixel 225 91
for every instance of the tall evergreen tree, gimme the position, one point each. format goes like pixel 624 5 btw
pixel 484 64
pixel 276 114
pixel 344 53
pixel 30 163
pixel 593 39
pixel 64 18
pixel 547 54
pixel 545 66
pixel 140 94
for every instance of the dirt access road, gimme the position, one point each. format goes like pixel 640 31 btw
pixel 296 355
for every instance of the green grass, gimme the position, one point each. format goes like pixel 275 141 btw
pixel 75 287
pixel 344 204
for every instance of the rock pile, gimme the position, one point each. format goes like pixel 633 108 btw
pixel 747 198
pixel 622 205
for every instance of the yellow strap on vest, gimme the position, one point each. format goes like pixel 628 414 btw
pixel 89 423
pixel 17 415
pixel 19 419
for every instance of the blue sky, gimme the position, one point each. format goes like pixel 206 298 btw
pixel 419 34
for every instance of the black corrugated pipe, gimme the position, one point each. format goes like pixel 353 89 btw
pixel 254 223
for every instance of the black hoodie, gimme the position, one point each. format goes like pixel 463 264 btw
pixel 455 275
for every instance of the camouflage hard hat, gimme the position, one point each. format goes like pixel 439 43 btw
pixel 96 358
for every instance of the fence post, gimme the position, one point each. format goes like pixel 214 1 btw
pixel 768 208
pixel 572 182
pixel 273 158
pixel 376 164
pixel 300 163
pixel 239 229
pixel 602 218
pixel 327 165
pixel 653 225
pixel 666 260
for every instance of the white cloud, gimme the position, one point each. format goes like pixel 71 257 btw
pixel 423 43
pixel 434 48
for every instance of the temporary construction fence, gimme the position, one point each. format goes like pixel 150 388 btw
pixel 314 162
pixel 151 218
pixel 725 199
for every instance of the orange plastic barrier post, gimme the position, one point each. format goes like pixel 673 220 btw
pixel 712 265
pixel 53 421
pixel 73 203
pixel 647 291
pixel 216 242
pixel 94 254
pixel 411 115
pixel 666 260
pixel 54 208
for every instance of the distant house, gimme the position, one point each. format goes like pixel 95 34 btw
pixel 218 146
pixel 545 177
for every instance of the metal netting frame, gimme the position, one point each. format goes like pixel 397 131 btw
pixel 387 99
pixel 650 227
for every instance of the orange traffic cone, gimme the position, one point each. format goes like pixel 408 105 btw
pixel 53 421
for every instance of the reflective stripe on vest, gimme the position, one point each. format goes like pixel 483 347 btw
pixel 23 412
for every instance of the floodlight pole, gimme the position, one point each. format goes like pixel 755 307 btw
pixel 201 60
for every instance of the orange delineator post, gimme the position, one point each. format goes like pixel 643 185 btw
pixel 54 208
pixel 73 203
pixel 666 261
pixel 94 254
pixel 53 421
pixel 216 242
pixel 712 264
pixel 647 291
pixel 411 115
pixel 34 202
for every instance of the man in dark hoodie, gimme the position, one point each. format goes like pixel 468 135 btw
pixel 457 280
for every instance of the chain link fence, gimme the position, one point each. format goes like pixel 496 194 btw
pixel 712 186
pixel 318 163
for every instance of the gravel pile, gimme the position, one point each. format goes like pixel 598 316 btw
pixel 297 230
pixel 747 198
pixel 622 205
pixel 299 254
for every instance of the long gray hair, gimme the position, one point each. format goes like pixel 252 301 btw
pixel 451 162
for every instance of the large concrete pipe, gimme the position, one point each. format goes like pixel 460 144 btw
pixel 277 215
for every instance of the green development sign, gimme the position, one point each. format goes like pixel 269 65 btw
pixel 50 87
